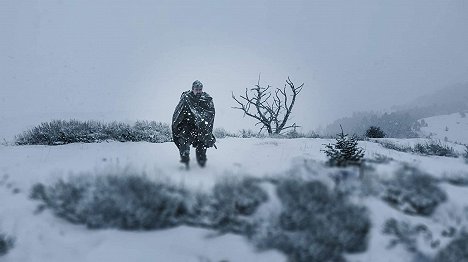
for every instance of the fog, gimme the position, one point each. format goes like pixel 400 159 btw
pixel 130 60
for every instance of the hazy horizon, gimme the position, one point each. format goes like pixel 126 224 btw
pixel 120 60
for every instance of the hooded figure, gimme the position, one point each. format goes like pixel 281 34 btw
pixel 192 124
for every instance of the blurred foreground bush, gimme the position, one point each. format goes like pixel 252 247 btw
pixel 126 201
pixel 413 192
pixel 455 251
pixel 310 223
pixel 316 224
pixel 6 243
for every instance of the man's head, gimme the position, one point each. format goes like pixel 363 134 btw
pixel 197 87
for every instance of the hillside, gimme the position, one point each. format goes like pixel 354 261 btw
pixel 41 236
pixel 452 127
pixel 403 121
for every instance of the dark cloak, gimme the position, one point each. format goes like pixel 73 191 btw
pixel 200 109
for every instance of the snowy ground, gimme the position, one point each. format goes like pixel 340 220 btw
pixel 44 237
pixel 451 127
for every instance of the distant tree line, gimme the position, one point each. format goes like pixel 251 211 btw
pixel 406 121
pixel 395 124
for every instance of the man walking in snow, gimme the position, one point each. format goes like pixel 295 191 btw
pixel 192 124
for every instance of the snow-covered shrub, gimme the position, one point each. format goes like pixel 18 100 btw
pixel 375 132
pixel 407 235
pixel 119 131
pixel 316 224
pixel 458 178
pixel 38 191
pixel 413 192
pixel 344 152
pixel 434 149
pixel 465 155
pixel 380 159
pixel 154 132
pixel 121 201
pixel 233 200
pixel 359 182
pixel 199 210
pixel 248 133
pixel 130 201
pixel 455 251
pixel 222 133
pixel 394 146
pixel 428 148
pixel 59 132
pixel 6 243
pixel 4 142
pixel 291 134
pixel 402 232
pixel 310 134
pixel 454 219
pixel 295 134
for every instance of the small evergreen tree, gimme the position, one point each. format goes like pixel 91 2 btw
pixel 375 132
pixel 345 151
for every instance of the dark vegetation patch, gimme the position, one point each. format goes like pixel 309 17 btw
pixel 248 133
pixel 6 244
pixel 58 132
pixel 413 192
pixel 379 159
pixel 233 201
pixel 316 224
pixel 434 149
pixel 375 132
pixel 222 133
pixel 455 251
pixel 457 179
pixel 396 147
pixel 136 202
pixel 112 201
pixel 405 234
pixel 465 155
pixel 296 134
pixel 431 148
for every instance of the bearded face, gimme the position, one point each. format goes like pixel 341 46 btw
pixel 197 91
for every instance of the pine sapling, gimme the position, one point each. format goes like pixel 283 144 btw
pixel 345 151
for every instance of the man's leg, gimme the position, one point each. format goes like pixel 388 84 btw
pixel 201 154
pixel 184 150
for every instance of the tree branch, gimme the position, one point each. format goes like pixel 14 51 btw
pixel 269 108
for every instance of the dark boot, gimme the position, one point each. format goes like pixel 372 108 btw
pixel 201 155
pixel 185 160
pixel 184 150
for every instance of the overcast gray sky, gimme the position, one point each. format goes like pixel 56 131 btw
pixel 131 59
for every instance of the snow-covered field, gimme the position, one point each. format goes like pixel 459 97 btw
pixel 451 127
pixel 41 236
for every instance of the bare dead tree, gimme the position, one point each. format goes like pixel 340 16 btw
pixel 272 110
